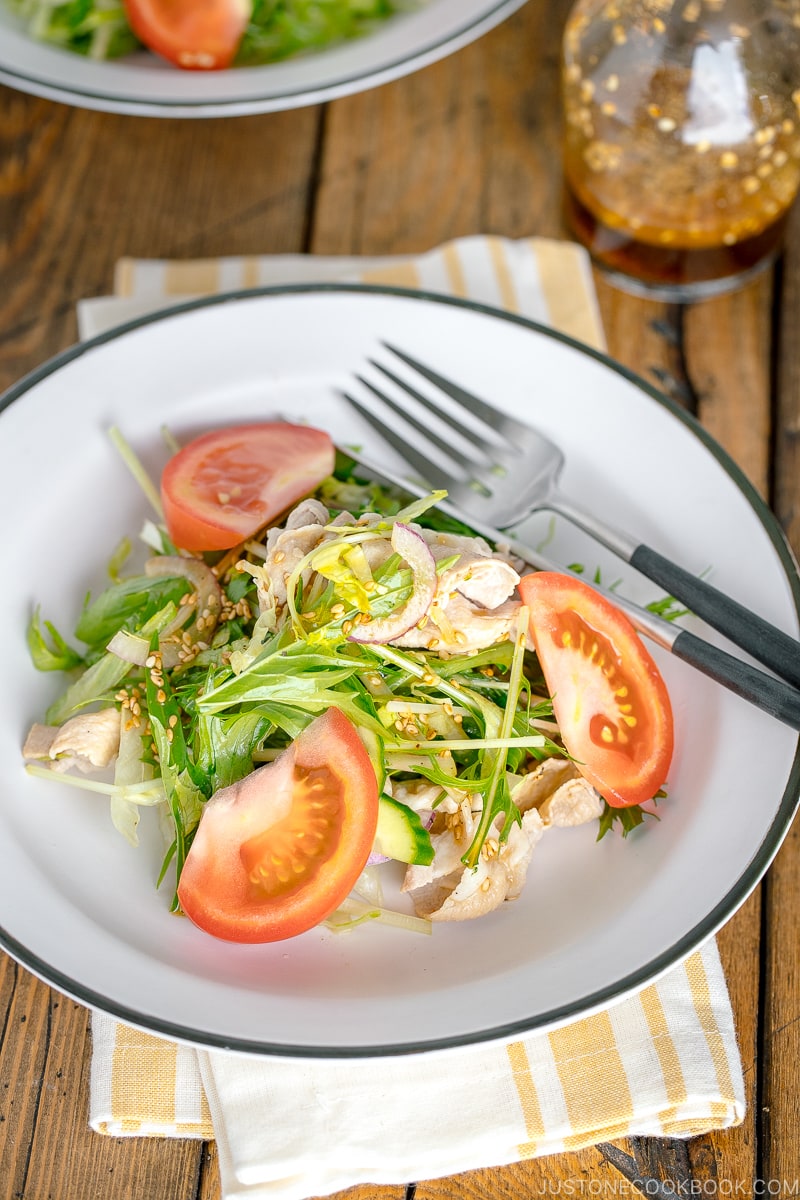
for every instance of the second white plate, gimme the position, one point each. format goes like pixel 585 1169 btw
pixel 145 85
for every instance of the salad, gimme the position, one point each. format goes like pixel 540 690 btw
pixel 208 36
pixel 311 678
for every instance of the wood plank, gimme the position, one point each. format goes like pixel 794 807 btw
pixel 587 1173
pixel 25 1018
pixel 779 1114
pixel 780 1111
pixel 79 190
pixel 95 1165
pixel 728 345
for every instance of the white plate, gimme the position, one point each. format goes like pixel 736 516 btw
pixel 78 905
pixel 146 85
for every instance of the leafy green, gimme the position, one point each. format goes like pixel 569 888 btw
pixel 128 604
pixel 627 819
pixel 99 682
pixel 180 776
pixel 55 655
pixel 281 28
pixel 291 676
pixel 224 748
pixel 96 28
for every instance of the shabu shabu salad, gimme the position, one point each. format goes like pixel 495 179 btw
pixel 211 36
pixel 311 678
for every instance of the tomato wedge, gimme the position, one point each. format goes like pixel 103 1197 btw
pixel 609 698
pixel 223 487
pixel 198 35
pixel 277 852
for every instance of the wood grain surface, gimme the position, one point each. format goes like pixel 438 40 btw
pixel 468 145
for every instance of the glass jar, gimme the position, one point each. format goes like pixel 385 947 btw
pixel 681 138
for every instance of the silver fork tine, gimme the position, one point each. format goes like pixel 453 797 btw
pixel 428 434
pixel 426 468
pixel 501 423
pixel 430 406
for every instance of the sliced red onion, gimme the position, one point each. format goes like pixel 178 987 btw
pixel 412 547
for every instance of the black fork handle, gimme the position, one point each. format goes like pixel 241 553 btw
pixel 773 696
pixel 767 644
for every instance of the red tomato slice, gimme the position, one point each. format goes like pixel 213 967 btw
pixel 223 487
pixel 199 35
pixel 609 698
pixel 277 852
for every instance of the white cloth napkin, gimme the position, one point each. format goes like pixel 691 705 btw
pixel 663 1062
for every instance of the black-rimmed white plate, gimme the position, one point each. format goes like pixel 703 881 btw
pixel 145 85
pixel 78 905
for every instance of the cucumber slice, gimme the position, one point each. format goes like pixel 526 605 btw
pixel 401 834
pixel 374 748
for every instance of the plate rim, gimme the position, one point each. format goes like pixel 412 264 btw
pixel 649 971
pixel 124 103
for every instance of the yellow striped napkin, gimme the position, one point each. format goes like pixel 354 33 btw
pixel 663 1062
pixel 544 280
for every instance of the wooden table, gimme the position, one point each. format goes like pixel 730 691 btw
pixel 469 145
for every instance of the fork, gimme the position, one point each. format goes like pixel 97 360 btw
pixel 510 469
